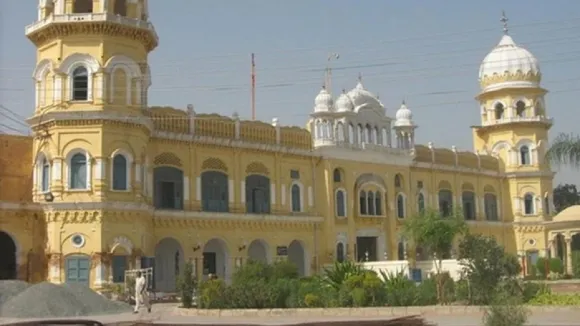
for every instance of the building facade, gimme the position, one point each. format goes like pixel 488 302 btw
pixel 114 184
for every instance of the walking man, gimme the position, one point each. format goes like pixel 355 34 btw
pixel 141 294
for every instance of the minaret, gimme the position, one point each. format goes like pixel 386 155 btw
pixel 92 55
pixel 91 79
pixel 405 128
pixel 514 125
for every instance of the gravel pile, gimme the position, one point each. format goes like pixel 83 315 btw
pixel 9 289
pixel 51 300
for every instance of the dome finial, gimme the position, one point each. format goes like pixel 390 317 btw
pixel 504 20
pixel 359 77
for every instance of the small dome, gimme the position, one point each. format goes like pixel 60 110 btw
pixel 404 117
pixel 343 103
pixel 509 65
pixel 360 97
pixel 323 101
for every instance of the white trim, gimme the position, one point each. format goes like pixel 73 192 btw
pixel 79 245
pixel 373 183
pixel 74 61
pixel 39 175
pixel 531 150
pixel 42 68
pixel 129 161
pixel 301 195
pixel 88 157
pixel 404 205
pixel 132 72
pixel 123 242
pixel 345 204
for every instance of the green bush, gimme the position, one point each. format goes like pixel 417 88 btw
pixel 505 310
pixel 362 290
pixel 186 285
pixel 555 299
pixel 213 294
pixel 400 290
pixel 427 293
pixel 314 292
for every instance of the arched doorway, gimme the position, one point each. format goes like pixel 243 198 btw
pixel 297 256
pixel 258 251
pixel 8 264
pixel 168 264
pixel 215 259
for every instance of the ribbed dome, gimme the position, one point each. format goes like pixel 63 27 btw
pixel 343 103
pixel 323 101
pixel 404 117
pixel 360 97
pixel 509 65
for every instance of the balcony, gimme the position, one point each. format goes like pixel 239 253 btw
pixel 539 119
pixel 92 18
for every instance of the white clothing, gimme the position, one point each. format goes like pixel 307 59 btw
pixel 141 294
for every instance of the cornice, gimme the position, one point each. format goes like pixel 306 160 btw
pixel 460 169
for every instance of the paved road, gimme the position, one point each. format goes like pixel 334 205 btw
pixel 165 313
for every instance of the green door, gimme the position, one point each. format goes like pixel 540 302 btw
pixel 78 269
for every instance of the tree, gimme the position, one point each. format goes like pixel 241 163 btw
pixel 565 195
pixel 565 150
pixel 436 234
pixel 485 264
pixel 186 284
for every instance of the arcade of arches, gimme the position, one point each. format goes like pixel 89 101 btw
pixel 215 257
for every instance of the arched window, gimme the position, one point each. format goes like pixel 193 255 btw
pixel 45 176
pixel 168 188
pixel 525 155
pixel 214 191
pixel 82 6
pixel 120 7
pixel 378 203
pixel 420 202
pixel 296 202
pixel 257 194
pixel 363 203
pixel 371 203
pixel 445 202
pixel 400 206
pixel 78 171
pixel 468 202
pixel 336 175
pixel 398 181
pixel 520 109
pixel 369 134
pixel 340 132
pixel 176 263
pixel 80 84
pixel 120 172
pixel 499 111
pixel 529 207
pixel 340 252
pixel 340 203
pixel 350 133
pixel 490 203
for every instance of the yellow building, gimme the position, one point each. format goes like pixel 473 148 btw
pixel 117 184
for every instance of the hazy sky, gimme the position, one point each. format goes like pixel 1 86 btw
pixel 426 52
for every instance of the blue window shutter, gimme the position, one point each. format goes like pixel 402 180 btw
pixel 119 264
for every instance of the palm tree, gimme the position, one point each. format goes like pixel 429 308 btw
pixel 565 150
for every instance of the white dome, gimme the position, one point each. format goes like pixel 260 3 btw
pixel 361 97
pixel 343 103
pixel 323 101
pixel 404 117
pixel 517 66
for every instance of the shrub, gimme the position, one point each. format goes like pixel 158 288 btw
pixel 363 290
pixel 505 310
pixel 400 290
pixel 186 285
pixel 314 292
pixel 341 271
pixel 555 299
pixel 213 294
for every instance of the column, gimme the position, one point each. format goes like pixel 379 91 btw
pixel 553 248
pixel 568 256
pixel 100 262
pixel 54 267
pixel 100 176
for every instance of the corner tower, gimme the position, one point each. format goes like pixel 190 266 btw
pixel 91 79
pixel 514 127
pixel 92 55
